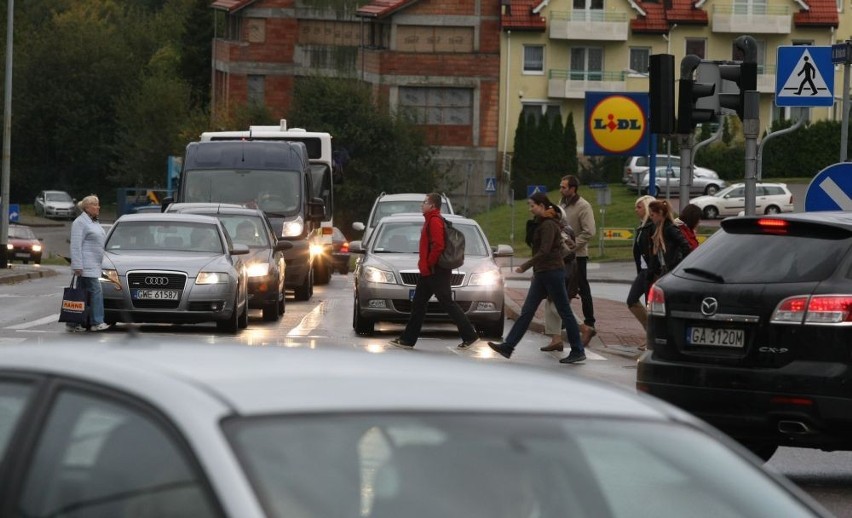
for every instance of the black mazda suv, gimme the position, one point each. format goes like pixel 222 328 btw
pixel 752 332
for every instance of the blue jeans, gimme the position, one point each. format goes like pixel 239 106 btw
pixel 92 285
pixel 548 283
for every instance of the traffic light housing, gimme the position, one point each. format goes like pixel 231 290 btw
pixel 690 92
pixel 745 76
pixel 661 93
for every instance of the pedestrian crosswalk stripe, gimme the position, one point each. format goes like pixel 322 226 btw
pixel 805 80
pixel 50 319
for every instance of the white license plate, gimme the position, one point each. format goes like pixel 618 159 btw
pixel 156 294
pixel 717 337
pixel 22 255
pixel 431 299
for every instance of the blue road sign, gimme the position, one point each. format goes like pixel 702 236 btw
pixel 841 53
pixel 491 184
pixel 831 189
pixel 532 189
pixel 14 212
pixel 804 76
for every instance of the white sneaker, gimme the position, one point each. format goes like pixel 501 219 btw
pixel 100 327
pixel 75 329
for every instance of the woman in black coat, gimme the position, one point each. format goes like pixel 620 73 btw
pixel 642 257
pixel 668 246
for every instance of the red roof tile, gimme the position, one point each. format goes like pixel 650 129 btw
pixel 661 15
pixel 822 13
pixel 685 12
pixel 518 15
pixel 382 8
pixel 654 20
pixel 231 5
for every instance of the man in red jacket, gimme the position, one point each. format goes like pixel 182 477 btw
pixel 433 280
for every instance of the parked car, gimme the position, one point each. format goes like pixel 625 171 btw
pixel 340 251
pixel 265 265
pixel 153 430
pixel 389 204
pixel 386 276
pixel 751 332
pixel 55 204
pixel 668 180
pixel 22 245
pixel 174 268
pixel 770 198
pixel 639 164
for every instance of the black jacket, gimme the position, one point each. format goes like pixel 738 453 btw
pixel 677 247
pixel 642 244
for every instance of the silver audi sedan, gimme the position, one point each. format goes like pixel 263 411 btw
pixel 166 430
pixel 387 274
pixel 174 268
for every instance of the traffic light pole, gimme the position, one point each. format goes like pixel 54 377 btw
pixel 844 128
pixel 751 129
pixel 687 142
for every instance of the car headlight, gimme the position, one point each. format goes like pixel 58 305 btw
pixel 10 246
pixel 293 228
pixel 317 250
pixel 36 248
pixel 258 270
pixel 211 278
pixel 373 274
pixel 489 278
pixel 111 276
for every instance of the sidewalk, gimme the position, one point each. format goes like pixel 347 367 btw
pixel 618 331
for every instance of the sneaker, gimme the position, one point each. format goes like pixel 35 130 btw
pixel 100 327
pixel 502 348
pixel 467 345
pixel 397 342
pixel 573 357
pixel 75 329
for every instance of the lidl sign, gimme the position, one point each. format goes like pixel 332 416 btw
pixel 616 124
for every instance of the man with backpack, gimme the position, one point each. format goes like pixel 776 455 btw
pixel 434 280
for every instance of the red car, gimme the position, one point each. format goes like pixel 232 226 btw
pixel 23 245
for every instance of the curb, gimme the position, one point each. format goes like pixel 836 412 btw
pixel 11 278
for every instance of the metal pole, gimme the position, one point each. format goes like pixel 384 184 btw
pixel 751 129
pixel 7 138
pixel 771 136
pixel 686 144
pixel 844 129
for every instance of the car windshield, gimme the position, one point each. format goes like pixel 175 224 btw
pixel 274 192
pixel 156 236
pixel 727 190
pixel 57 196
pixel 496 466
pixel 245 230
pixel 404 237
pixel 389 208
pixel 21 232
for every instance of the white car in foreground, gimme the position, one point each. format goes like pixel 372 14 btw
pixel 770 198
pixel 153 430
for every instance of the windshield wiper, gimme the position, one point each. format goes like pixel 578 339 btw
pixel 706 274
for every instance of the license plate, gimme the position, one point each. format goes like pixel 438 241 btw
pixel 717 337
pixel 431 299
pixel 22 255
pixel 156 294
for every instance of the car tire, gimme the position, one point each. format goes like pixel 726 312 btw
pixel 232 323
pixel 305 291
pixel 242 323
pixel 710 212
pixel 772 209
pixel 362 326
pixel 322 272
pixel 711 189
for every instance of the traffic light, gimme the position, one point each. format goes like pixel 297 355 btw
pixel 689 92
pixel 661 93
pixel 745 76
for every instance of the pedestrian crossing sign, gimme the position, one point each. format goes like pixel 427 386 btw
pixel 491 184
pixel 804 76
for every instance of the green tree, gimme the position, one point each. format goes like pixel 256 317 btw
pixel 569 142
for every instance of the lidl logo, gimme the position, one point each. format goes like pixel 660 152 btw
pixel 616 124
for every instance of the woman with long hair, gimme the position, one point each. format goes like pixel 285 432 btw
pixel 548 281
pixel 642 257
pixel 668 246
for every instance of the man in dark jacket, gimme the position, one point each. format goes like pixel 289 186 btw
pixel 433 280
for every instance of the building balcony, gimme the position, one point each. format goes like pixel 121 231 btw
pixel 755 19
pixel 568 84
pixel 589 25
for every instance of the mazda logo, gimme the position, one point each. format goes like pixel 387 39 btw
pixel 156 281
pixel 709 306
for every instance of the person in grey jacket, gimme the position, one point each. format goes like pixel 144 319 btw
pixel 548 281
pixel 87 253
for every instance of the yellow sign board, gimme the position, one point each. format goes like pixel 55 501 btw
pixel 614 234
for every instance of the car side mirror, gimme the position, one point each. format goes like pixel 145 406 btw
pixel 503 251
pixel 358 226
pixel 355 247
pixel 239 249
pixel 282 245
pixel 316 209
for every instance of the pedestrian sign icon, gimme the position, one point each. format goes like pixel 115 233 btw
pixel 532 189
pixel 491 184
pixel 805 76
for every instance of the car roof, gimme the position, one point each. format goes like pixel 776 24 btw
pixel 415 216
pixel 405 196
pixel 835 218
pixel 260 381
pixel 163 217
pixel 213 208
pixel 742 184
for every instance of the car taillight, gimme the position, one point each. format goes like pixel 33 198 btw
pixel 344 247
pixel 819 309
pixel 656 301
pixel 773 226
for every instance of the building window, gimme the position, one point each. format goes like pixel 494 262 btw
pixel 586 63
pixel 750 7
pixel 256 90
pixel 256 30
pixel 538 111
pixel 696 46
pixel 534 59
pixel 639 59
pixel 437 106
pixel 588 10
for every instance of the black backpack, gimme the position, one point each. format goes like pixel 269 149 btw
pixel 453 254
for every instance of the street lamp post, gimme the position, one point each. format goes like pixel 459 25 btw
pixel 7 139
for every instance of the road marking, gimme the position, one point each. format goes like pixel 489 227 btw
pixel 50 319
pixel 310 321
pixel 836 194
pixel 11 341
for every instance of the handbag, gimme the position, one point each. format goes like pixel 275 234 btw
pixel 74 309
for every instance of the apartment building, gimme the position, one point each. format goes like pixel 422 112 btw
pixel 554 51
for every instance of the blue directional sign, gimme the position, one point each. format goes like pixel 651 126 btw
pixel 14 212
pixel 491 184
pixel 805 76
pixel 831 189
pixel 532 189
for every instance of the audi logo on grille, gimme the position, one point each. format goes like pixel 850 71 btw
pixel 156 281
pixel 709 306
